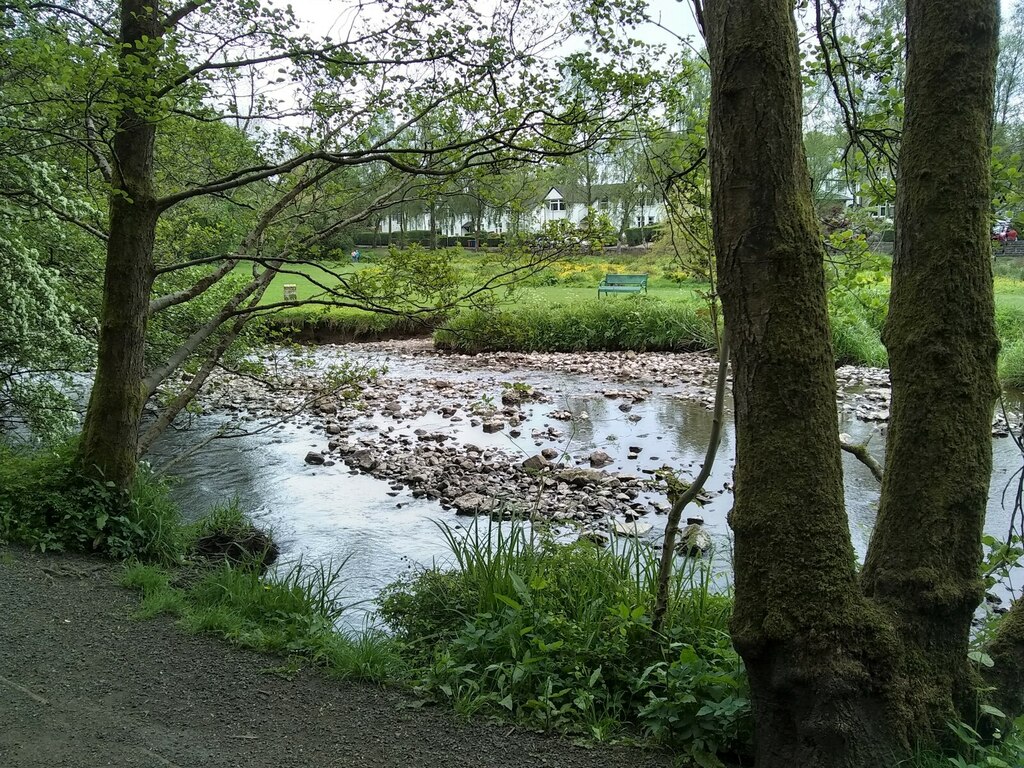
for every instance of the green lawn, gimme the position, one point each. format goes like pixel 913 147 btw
pixel 579 288
pixel 583 288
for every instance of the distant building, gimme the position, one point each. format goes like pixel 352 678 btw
pixel 626 208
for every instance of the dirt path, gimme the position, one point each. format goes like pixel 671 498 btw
pixel 82 684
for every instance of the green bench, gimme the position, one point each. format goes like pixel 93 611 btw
pixel 622 284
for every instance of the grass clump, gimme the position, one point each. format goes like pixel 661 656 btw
pixel 559 636
pixel 47 504
pixel 640 323
pixel 1003 749
pixel 295 613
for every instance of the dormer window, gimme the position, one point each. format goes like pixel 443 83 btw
pixel 556 204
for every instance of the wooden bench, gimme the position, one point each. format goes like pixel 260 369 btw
pixel 622 284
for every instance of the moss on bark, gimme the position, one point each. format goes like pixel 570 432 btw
pixel 110 434
pixel 923 563
pixel 821 659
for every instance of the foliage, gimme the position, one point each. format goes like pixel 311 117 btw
pixel 642 323
pixel 1004 749
pixel 293 613
pixel 39 345
pixel 1011 364
pixel 855 339
pixel 559 636
pixel 47 504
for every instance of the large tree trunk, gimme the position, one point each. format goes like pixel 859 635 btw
pixel 923 563
pixel 818 657
pixel 111 430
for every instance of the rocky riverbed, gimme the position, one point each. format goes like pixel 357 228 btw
pixel 508 434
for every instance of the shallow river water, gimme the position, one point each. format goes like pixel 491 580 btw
pixel 331 512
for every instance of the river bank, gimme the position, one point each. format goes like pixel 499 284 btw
pixel 83 683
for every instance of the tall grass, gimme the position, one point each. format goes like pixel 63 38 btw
pixel 641 323
pixel 295 613
pixel 560 636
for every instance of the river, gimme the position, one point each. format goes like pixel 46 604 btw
pixel 322 513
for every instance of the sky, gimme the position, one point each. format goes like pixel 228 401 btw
pixel 674 18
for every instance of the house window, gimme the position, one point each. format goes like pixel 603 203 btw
pixel 557 204
pixel 604 204
pixel 650 220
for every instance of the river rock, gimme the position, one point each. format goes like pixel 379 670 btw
pixel 333 429
pixel 474 504
pixel 536 463
pixel 363 460
pixel 512 397
pixel 315 458
pixel 600 459
pixel 694 541
pixel 493 425
pixel 600 538
pixel 632 529
pixel 549 453
pixel 581 477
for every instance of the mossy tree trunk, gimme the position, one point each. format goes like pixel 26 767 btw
pixel 110 436
pixel 814 648
pixel 923 563
pixel 849 672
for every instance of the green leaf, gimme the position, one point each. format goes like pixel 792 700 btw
pixel 509 602
pixel 990 710
pixel 980 657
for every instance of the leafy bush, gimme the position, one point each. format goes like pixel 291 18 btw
pixel 640 235
pixel 641 323
pixel 559 636
pixel 47 504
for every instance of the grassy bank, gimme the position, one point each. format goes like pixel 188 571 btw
pixel 641 323
pixel 519 627
pixel 558 309
pixel 210 573
pixel 294 614
pixel 560 637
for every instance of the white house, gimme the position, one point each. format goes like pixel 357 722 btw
pixel 626 208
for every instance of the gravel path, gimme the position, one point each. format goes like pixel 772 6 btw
pixel 83 684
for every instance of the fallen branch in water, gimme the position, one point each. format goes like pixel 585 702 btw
pixel 860 452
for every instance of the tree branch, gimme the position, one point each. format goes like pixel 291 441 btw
pixel 173 299
pixel 674 515
pixel 860 452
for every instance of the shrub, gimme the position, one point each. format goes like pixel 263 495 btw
pixel 46 503
pixel 559 636
pixel 640 235
pixel 641 323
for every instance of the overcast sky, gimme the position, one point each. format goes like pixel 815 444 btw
pixel 674 15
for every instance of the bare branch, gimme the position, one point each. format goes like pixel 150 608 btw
pixel 172 18
pixel 860 452
pixel 200 286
